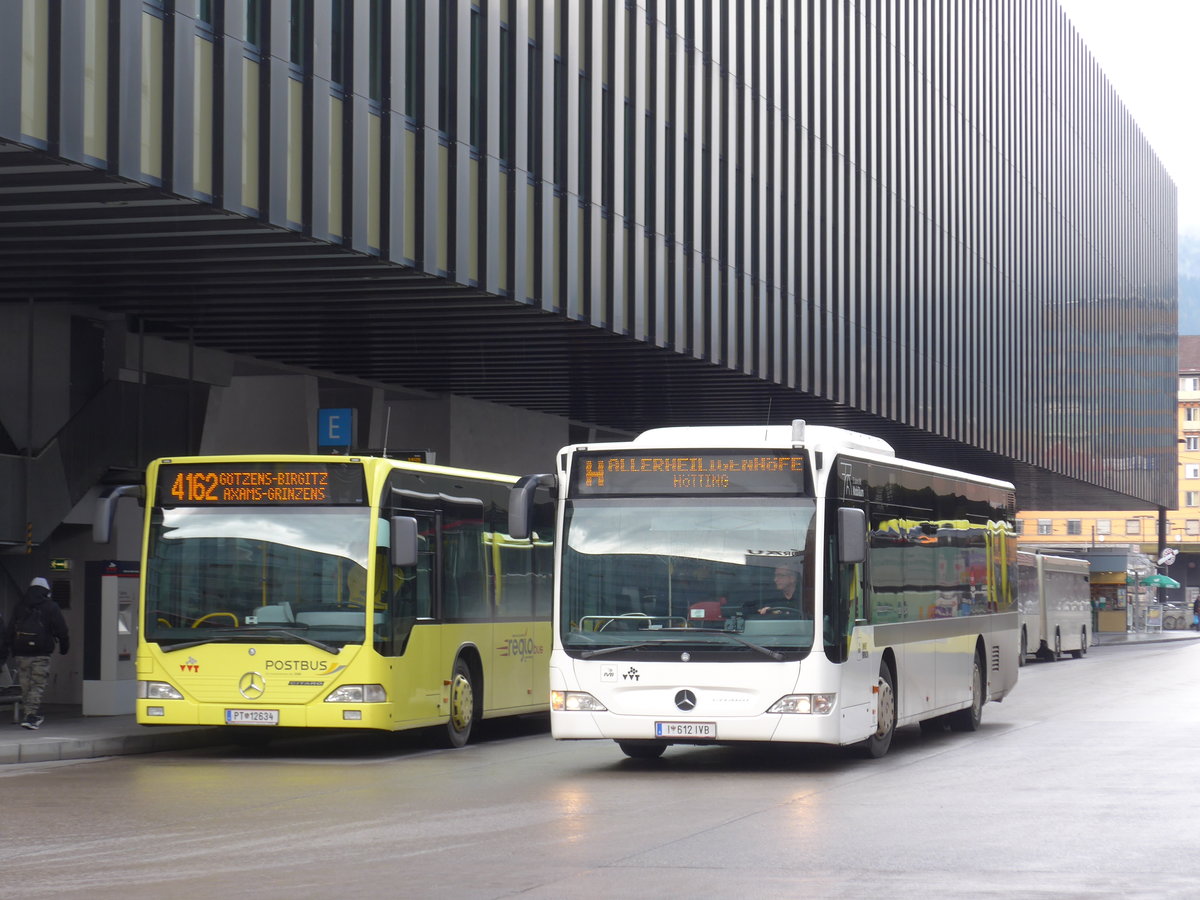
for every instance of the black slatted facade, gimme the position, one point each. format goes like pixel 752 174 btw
pixel 929 219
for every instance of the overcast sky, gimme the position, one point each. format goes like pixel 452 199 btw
pixel 1150 50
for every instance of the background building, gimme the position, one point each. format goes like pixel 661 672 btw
pixel 492 227
pixel 1138 536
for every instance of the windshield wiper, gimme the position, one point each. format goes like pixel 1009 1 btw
pixel 186 644
pixel 589 654
pixel 765 651
pixel 226 633
pixel 300 637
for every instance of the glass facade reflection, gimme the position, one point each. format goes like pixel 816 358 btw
pixel 937 216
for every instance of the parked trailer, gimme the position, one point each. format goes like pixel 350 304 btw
pixel 1055 601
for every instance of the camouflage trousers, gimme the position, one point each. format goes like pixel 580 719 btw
pixel 33 672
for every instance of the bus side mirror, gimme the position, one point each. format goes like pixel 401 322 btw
pixel 852 535
pixel 404 541
pixel 106 508
pixel 520 504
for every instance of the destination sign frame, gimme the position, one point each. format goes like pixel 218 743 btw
pixel 261 484
pixel 688 472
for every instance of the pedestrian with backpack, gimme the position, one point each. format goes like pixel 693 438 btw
pixel 37 624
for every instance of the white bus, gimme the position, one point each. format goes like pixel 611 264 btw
pixel 773 583
pixel 1054 597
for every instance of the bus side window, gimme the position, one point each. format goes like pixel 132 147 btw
pixel 407 593
pixel 515 567
pixel 464 574
pixel 543 558
pixel 845 592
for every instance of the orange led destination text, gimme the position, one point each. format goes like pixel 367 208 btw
pixel 688 471
pixel 251 487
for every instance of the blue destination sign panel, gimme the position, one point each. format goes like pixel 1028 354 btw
pixel 261 484
pixel 690 472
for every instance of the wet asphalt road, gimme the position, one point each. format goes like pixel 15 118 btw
pixel 1080 784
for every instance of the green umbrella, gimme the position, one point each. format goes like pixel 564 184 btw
pixel 1160 581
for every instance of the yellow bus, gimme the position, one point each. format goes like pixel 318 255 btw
pixel 336 592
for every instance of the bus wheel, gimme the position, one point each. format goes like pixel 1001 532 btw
pixel 642 749
pixel 885 701
pixel 1024 648
pixel 462 705
pixel 1082 651
pixel 968 719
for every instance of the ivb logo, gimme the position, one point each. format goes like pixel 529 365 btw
pixel 521 646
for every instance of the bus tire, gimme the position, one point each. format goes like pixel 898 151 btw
pixel 969 719
pixel 462 705
pixel 642 749
pixel 877 744
pixel 1024 653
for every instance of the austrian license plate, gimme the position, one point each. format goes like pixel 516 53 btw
pixel 686 729
pixel 251 717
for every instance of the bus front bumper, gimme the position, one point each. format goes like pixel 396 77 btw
pixel 317 715
pixel 680 729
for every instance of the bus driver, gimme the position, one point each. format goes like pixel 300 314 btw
pixel 787 580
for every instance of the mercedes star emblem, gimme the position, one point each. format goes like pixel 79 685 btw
pixel 685 700
pixel 252 685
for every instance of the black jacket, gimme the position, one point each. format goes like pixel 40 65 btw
pixel 54 626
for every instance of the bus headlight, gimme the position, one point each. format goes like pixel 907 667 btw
pixel 805 704
pixel 575 701
pixel 157 690
pixel 358 693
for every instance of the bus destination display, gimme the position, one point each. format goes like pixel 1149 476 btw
pixel 261 484
pixel 690 472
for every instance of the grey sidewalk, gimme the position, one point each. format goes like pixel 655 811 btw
pixel 67 734
pixel 1143 637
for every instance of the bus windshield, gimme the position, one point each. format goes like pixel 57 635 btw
pixel 701 571
pixel 255 573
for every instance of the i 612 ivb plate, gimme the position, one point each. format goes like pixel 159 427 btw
pixel 706 730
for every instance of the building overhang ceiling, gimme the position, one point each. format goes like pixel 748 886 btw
pixel 183 270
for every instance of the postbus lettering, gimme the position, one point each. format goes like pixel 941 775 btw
pixel 296 665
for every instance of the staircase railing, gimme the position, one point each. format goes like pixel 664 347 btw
pixel 100 441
